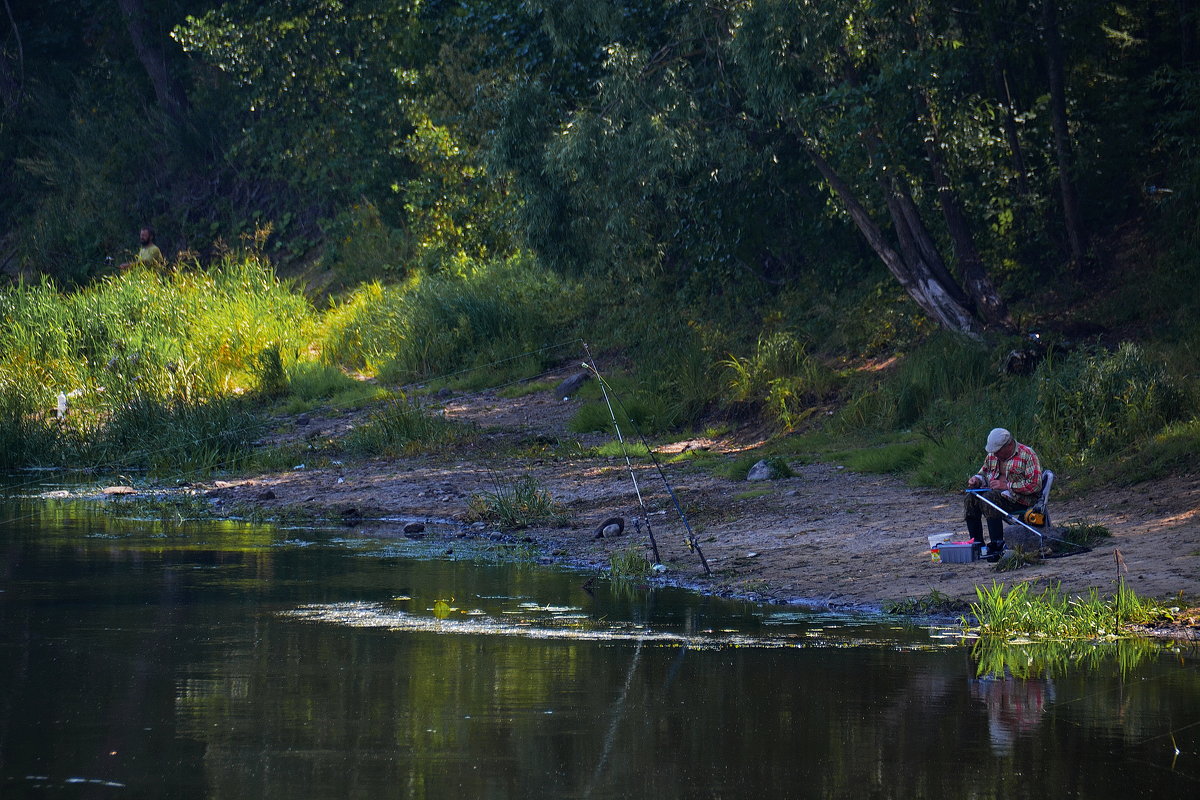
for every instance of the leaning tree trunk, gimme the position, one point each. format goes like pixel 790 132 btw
pixel 1072 216
pixel 918 278
pixel 169 92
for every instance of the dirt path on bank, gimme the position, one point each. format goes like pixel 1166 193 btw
pixel 828 537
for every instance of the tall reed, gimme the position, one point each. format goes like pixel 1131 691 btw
pixel 148 361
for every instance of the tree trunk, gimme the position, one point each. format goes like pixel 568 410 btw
pixel 975 279
pixel 169 92
pixel 1009 122
pixel 1187 32
pixel 1076 233
pixel 917 278
pixel 12 83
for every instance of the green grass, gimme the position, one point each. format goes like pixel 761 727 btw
pixel 402 427
pixel 645 415
pixel 527 388
pixel 934 602
pixel 485 323
pixel 1017 612
pixel 614 449
pixel 629 563
pixel 311 384
pixel 154 364
pixel 885 459
pixel 514 503
pixel 1082 533
pixel 780 379
pixel 1167 452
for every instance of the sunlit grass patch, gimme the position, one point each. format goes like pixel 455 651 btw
pixel 150 363
pixel 699 457
pixel 483 323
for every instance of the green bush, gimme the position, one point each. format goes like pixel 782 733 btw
pixel 1092 405
pixel 476 316
pixel 781 379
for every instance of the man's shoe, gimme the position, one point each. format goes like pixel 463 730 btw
pixel 993 551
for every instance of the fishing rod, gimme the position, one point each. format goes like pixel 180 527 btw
pixel 629 464
pixel 1010 518
pixel 690 538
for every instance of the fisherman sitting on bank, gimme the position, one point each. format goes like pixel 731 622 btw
pixel 1013 475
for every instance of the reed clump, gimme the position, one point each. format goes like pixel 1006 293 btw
pixel 1018 612
pixel 401 427
pixel 629 563
pixel 514 503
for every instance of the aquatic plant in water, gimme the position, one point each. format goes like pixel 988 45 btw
pixel 1017 612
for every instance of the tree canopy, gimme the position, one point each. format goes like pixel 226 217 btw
pixel 973 150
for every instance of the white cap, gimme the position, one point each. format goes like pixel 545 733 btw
pixel 997 439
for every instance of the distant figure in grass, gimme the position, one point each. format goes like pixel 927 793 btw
pixel 149 254
pixel 1013 475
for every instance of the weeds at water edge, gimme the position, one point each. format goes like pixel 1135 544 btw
pixel 1017 612
pixel 514 503
pixel 628 563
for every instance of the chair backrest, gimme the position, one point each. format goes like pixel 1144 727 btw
pixel 1043 503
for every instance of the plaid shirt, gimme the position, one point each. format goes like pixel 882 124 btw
pixel 1023 472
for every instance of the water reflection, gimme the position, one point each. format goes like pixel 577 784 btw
pixel 1014 705
pixel 248 662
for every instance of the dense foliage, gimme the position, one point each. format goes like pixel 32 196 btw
pixel 757 201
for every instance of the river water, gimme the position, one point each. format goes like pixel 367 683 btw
pixel 161 658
